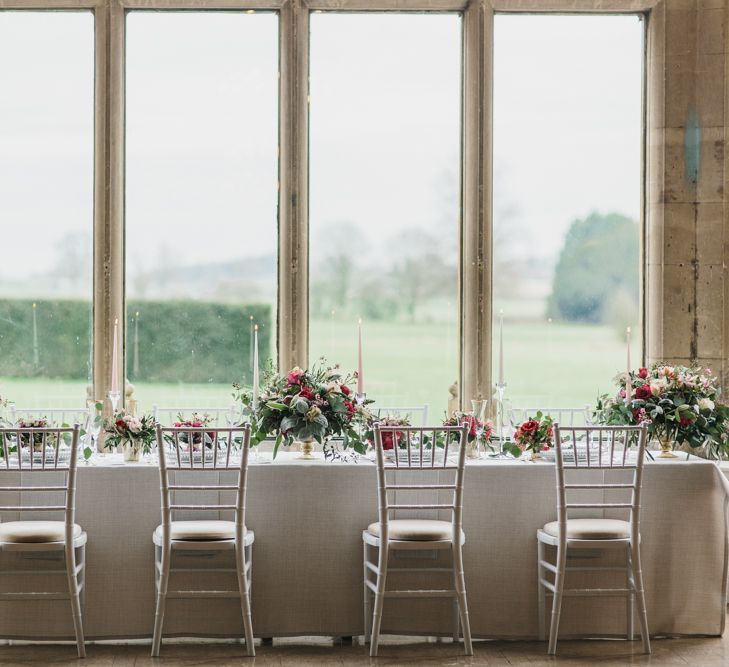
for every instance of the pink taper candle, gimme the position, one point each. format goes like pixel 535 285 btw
pixel 115 359
pixel 360 375
pixel 628 382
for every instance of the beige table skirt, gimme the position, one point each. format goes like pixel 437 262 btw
pixel 307 557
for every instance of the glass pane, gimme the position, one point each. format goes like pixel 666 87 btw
pixel 46 206
pixel 384 210
pixel 567 197
pixel 201 202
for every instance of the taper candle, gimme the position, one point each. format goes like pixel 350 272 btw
pixel 115 359
pixel 360 375
pixel 628 382
pixel 255 367
pixel 501 348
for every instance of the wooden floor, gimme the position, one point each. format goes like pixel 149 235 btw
pixel 302 652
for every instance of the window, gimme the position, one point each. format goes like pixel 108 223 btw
pixel 384 200
pixel 46 206
pixel 567 203
pixel 201 202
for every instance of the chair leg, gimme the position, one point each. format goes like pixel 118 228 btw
pixel 245 598
pixel 557 599
pixel 379 598
pixel 640 598
pixel 630 599
pixel 541 593
pixel 366 593
pixel 165 554
pixel 461 591
pixel 456 621
pixel 73 594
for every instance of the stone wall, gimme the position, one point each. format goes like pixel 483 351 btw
pixel 687 171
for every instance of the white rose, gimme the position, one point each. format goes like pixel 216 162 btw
pixel 333 387
pixel 135 425
pixel 706 404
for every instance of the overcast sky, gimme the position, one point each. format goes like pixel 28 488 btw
pixel 385 114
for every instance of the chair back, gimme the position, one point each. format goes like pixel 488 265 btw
pixel 34 451
pixel 436 485
pixel 566 416
pixel 580 451
pixel 188 455
pixel 219 416
pixel 64 416
pixel 418 414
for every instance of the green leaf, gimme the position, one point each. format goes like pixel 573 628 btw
pixel 512 449
pixel 88 453
pixel 277 444
pixel 276 406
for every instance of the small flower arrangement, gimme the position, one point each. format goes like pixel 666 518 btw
pixel 389 438
pixel 123 428
pixel 477 428
pixel 33 422
pixel 535 434
pixel 676 403
pixel 312 404
pixel 196 420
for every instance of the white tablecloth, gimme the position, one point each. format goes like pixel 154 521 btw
pixel 307 558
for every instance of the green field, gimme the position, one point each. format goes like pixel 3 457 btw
pixel 547 365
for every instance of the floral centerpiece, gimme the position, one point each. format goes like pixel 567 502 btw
pixel 305 406
pixel 535 435
pixel 678 404
pixel 134 434
pixel 389 438
pixel 33 422
pixel 479 431
pixel 196 420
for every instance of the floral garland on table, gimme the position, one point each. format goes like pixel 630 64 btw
pixel 312 404
pixel 123 427
pixel 676 403
pixel 534 435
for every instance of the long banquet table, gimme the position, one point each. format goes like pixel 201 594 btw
pixel 307 558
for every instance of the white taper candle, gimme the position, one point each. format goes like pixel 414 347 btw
pixel 360 374
pixel 255 368
pixel 501 348
pixel 115 359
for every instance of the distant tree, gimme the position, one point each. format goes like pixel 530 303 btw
pixel 423 271
pixel 597 265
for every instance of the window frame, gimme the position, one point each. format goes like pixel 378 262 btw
pixel 475 250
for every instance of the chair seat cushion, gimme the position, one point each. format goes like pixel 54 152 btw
pixel 35 531
pixel 415 529
pixel 201 530
pixel 591 529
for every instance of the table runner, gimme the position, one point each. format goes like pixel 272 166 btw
pixel 307 558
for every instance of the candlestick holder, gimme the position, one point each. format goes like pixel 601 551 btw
pixel 114 397
pixel 499 396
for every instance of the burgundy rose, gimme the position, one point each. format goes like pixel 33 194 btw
pixel 350 407
pixel 685 421
pixel 643 373
pixel 643 392
pixel 529 427
pixel 345 390
pixel 389 437
pixel 307 393
pixel 294 377
pixel 120 423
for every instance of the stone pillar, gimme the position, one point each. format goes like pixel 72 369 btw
pixel 687 171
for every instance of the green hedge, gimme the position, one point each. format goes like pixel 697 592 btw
pixel 179 341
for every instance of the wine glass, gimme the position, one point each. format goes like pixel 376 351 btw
pixel 93 428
